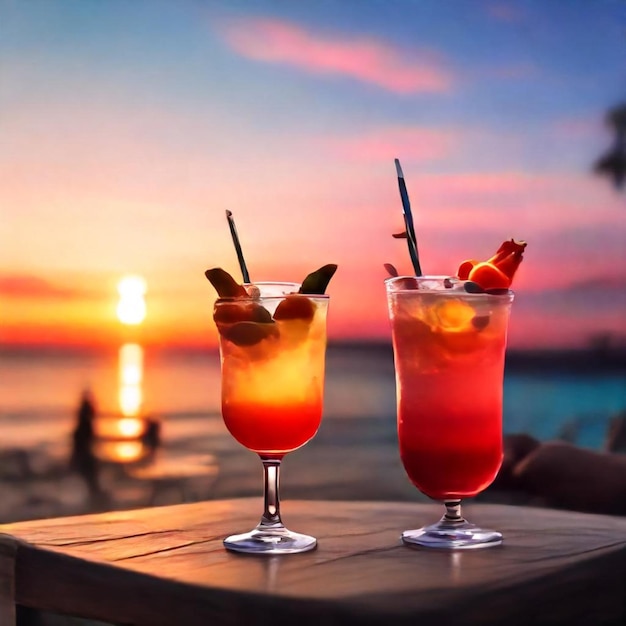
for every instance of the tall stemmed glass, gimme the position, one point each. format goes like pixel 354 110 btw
pixel 449 348
pixel 272 347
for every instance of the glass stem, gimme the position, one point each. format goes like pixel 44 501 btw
pixel 453 512
pixel 271 498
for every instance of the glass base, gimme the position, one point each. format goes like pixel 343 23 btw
pixel 270 541
pixel 452 536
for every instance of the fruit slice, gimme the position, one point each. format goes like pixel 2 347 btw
pixel 233 312
pixel 248 333
pixel 295 307
pixel 316 282
pixel 455 327
pixel 465 268
pixel 488 276
pixel 498 271
pixel 452 316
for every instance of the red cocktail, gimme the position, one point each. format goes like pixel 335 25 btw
pixel 449 349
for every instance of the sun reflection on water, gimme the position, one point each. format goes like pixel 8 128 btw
pixel 130 393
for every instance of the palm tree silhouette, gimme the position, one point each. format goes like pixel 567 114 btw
pixel 613 162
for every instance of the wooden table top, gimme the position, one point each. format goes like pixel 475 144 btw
pixel 167 567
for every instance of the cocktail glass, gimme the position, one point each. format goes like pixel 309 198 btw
pixel 272 391
pixel 449 348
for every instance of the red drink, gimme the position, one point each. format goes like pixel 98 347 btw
pixel 449 356
pixel 451 451
pixel 272 430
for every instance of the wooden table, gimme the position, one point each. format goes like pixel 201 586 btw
pixel 167 567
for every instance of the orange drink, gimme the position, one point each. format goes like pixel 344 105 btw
pixel 272 389
pixel 272 349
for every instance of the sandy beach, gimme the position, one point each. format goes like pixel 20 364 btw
pixel 349 459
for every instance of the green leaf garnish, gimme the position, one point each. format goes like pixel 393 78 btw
pixel 225 285
pixel 316 282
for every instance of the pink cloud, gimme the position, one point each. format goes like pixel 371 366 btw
pixel 412 143
pixel 367 60
pixel 550 198
pixel 35 287
pixel 575 312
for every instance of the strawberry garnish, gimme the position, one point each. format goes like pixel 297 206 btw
pixel 499 270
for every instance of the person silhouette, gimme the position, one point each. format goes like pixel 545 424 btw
pixel 83 460
pixel 152 437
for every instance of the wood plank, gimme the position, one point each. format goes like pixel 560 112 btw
pixel 166 566
pixel 8 549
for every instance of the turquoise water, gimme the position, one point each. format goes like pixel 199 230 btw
pixel 42 391
pixel 548 405
pixel 545 404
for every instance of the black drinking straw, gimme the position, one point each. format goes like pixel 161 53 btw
pixel 408 220
pixel 233 233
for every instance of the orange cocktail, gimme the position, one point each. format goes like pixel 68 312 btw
pixel 272 347
pixel 449 346
pixel 272 390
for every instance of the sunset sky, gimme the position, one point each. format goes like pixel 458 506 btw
pixel 127 128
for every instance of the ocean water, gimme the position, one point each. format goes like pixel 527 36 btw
pixel 39 395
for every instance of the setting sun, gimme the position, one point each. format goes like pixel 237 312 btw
pixel 131 308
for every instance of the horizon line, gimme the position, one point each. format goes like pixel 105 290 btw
pixel 8 349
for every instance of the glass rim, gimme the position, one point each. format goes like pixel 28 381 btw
pixel 509 294
pixel 272 283
pixel 278 283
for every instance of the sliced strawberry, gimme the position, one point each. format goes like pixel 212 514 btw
pixel 488 276
pixel 497 273
pixel 465 268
